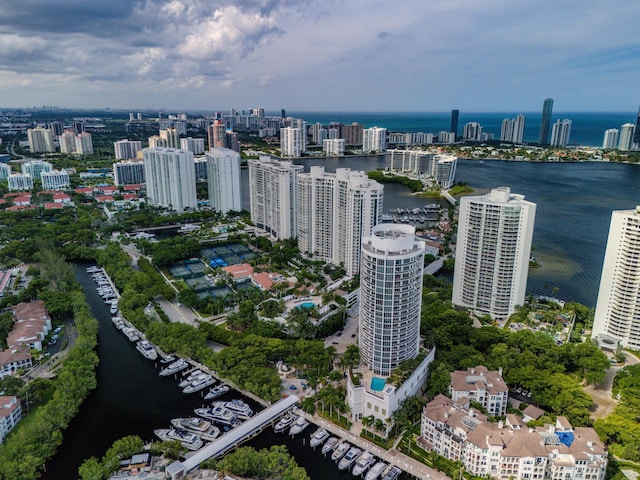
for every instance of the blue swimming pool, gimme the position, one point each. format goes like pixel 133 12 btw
pixel 377 384
pixel 308 305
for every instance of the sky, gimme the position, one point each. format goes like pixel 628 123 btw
pixel 330 55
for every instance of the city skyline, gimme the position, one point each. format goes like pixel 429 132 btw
pixel 197 55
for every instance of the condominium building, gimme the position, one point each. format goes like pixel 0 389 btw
pixel 512 129
pixel 67 142
pixel 127 149
pixel 617 316
pixel 171 136
pixel 170 178
pixel 200 165
pixel 194 145
pixel 492 252
pixel 20 181
pixel 472 131
pixel 84 144
pixel 41 140
pixel 374 139
pixel 545 122
pixel 333 147
pixel 292 142
pixel 216 135
pixel 156 141
pixel 128 173
pixel 335 210
pixel 5 171
pixel 10 415
pixel 481 385
pixel 439 168
pixel 626 136
pixel 446 137
pixel 561 133
pixel 35 168
pixel 273 196
pixel 610 138
pixel 353 134
pixel 509 449
pixel 55 180
pixel 223 179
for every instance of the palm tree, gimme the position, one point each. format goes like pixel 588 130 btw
pixel 368 421
pixel 380 426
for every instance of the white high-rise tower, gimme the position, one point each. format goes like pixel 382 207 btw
pixel 610 138
pixel 170 178
pixel 626 136
pixel 618 309
pixel 223 179
pixel 493 251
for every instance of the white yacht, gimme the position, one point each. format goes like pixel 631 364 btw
pixel 298 426
pixel 187 439
pixel 199 383
pixel 146 349
pixel 199 426
pixel 216 391
pixel 363 463
pixel 174 367
pixel 117 322
pixel 392 474
pixel 241 409
pixel 190 378
pixel 131 333
pixel 340 450
pixel 319 436
pixel 329 444
pixel 285 422
pixel 349 458
pixel 219 414
pixel 93 269
pixel 375 471
pixel 114 308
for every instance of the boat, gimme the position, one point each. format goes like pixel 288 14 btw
pixel 241 409
pixel 117 322
pixel 199 426
pixel 298 426
pixel 340 450
pixel 363 463
pixel 190 378
pixel 131 333
pixel 168 359
pixel 329 444
pixel 285 422
pixel 375 471
pixel 187 439
pixel 146 349
pixel 114 308
pixel 319 436
pixel 393 473
pixel 349 458
pixel 219 414
pixel 174 367
pixel 93 269
pixel 216 391
pixel 199 383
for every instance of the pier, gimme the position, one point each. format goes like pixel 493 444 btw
pixel 232 438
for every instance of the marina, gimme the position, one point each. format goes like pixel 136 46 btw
pixel 202 428
pixel 217 391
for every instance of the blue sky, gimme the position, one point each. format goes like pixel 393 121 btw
pixel 349 55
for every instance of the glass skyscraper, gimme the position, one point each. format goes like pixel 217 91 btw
pixel 545 122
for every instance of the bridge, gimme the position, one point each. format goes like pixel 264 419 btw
pixel 435 266
pixel 231 439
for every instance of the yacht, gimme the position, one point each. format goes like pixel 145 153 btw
pixel 364 461
pixel 190 378
pixel 319 436
pixel 146 349
pixel 328 446
pixel 93 269
pixel 219 414
pixel 199 426
pixel 241 409
pixel 175 367
pixel 168 359
pixel 298 426
pixel 187 439
pixel 349 458
pixel 375 471
pixel 340 450
pixel 114 308
pixel 285 422
pixel 199 383
pixel 117 322
pixel 392 474
pixel 131 333
pixel 215 392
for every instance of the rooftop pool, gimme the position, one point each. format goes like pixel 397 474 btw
pixel 377 384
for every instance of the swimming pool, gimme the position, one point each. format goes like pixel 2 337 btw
pixel 307 305
pixel 377 384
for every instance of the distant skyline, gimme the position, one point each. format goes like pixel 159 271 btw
pixel 360 56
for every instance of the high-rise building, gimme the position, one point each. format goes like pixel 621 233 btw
pixel 273 194
pixel 454 123
pixel 390 297
pixel 560 133
pixel 352 134
pixel 223 179
pixel 512 129
pixel 194 145
pixel 617 316
pixel 127 149
pixel 171 136
pixel 128 173
pixel 545 122
pixel 610 138
pixel 215 134
pixel 156 141
pixel 440 167
pixel 291 141
pixel 626 136
pixel 41 140
pixel 67 142
pixel 492 252
pixel 56 127
pixel 472 131
pixel 55 180
pixel 84 144
pixel 170 178
pixel 20 181
pixel 335 210
pixel 5 171
pixel 636 136
pixel 333 147
pixel 374 139
pixel 35 168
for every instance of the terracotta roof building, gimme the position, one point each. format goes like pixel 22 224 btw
pixel 10 414
pixel 481 385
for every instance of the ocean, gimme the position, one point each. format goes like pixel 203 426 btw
pixel 587 129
